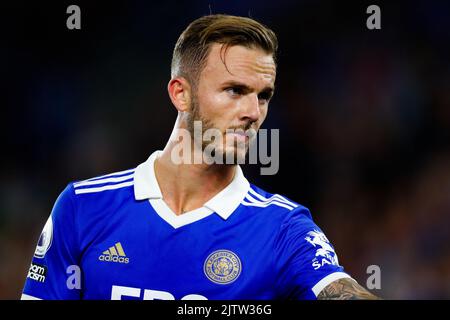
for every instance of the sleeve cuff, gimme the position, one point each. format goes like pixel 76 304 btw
pixel 28 297
pixel 327 280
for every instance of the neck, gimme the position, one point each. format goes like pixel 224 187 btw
pixel 186 187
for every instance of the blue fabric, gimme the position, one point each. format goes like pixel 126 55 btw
pixel 259 252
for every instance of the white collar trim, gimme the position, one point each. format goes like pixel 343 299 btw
pixel 224 203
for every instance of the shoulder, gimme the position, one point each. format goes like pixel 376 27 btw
pixel 276 204
pixel 104 185
pixel 111 181
pixel 89 205
pixel 97 193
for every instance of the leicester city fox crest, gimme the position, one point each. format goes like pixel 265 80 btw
pixel 222 267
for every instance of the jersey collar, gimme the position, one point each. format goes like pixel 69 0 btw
pixel 224 203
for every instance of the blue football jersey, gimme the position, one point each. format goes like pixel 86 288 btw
pixel 114 237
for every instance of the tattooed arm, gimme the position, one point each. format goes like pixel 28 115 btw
pixel 345 289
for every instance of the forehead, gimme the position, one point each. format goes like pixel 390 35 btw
pixel 238 63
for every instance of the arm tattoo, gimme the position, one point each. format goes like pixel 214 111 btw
pixel 345 289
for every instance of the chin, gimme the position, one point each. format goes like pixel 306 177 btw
pixel 235 155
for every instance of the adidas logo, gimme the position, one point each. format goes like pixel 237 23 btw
pixel 114 254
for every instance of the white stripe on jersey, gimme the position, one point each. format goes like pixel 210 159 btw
pixel 275 196
pixel 263 205
pixel 254 202
pixel 100 181
pixel 104 188
pixel 110 175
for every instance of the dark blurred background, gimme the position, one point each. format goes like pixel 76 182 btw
pixel 364 119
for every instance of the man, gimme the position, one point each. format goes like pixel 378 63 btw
pixel 172 229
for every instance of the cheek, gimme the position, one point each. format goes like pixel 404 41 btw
pixel 222 101
pixel 263 114
pixel 216 106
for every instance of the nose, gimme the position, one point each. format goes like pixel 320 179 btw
pixel 251 111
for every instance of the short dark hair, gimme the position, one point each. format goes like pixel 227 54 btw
pixel 193 45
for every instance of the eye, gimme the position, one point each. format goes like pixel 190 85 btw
pixel 264 97
pixel 234 91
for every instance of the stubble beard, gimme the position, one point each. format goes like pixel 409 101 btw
pixel 236 153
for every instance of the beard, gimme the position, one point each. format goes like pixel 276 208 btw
pixel 227 152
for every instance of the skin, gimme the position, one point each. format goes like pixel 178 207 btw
pixel 235 95
pixel 345 289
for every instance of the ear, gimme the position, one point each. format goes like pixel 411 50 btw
pixel 180 93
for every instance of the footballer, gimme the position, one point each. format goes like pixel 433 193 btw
pixel 189 230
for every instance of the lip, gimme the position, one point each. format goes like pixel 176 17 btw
pixel 238 136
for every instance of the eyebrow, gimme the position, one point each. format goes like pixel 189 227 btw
pixel 246 88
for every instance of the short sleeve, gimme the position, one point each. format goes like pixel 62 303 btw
pixel 305 259
pixel 55 261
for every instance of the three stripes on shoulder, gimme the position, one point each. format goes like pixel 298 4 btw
pixel 111 181
pixel 256 200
